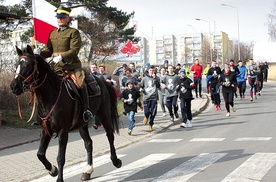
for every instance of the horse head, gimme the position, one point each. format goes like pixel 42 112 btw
pixel 26 74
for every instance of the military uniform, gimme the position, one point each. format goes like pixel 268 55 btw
pixel 65 41
pixel 64 44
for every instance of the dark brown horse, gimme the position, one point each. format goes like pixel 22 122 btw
pixel 56 110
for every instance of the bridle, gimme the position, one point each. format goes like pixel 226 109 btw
pixel 32 80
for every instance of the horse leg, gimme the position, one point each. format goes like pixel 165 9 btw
pixel 41 153
pixel 62 139
pixel 88 143
pixel 116 162
pixel 110 135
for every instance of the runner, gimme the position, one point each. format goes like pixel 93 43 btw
pixel 228 81
pixel 213 75
pixel 241 79
pixel 252 71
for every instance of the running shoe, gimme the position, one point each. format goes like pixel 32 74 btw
pixel 189 123
pixel 150 128
pixel 251 99
pixel 172 119
pixel 145 121
pixel 233 109
pixel 129 132
pixel 183 125
pixel 97 125
pixel 228 114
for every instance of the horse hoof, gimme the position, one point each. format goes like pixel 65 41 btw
pixel 55 173
pixel 85 176
pixel 117 163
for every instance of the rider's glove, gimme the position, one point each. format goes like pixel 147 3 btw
pixel 57 59
pixel 37 51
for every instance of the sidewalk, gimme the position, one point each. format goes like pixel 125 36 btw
pixel 19 146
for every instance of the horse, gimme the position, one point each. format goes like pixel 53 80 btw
pixel 56 110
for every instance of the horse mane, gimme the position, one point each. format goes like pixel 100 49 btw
pixel 47 68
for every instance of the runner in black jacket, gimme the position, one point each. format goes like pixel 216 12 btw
pixel 228 82
pixel 184 87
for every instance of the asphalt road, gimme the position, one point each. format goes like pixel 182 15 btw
pixel 239 148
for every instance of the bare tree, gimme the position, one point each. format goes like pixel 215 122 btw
pixel 205 53
pixel 271 24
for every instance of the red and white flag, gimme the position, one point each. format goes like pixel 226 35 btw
pixel 44 20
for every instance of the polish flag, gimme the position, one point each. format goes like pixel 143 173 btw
pixel 44 20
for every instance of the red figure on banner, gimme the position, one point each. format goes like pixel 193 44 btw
pixel 130 48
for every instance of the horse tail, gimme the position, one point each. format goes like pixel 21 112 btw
pixel 113 106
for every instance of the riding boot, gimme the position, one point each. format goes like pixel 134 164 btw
pixel 87 115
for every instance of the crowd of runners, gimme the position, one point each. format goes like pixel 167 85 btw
pixel 167 84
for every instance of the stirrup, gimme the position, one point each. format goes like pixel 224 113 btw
pixel 87 116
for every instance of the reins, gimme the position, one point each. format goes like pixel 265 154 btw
pixel 34 76
pixel 52 109
pixel 33 86
pixel 33 98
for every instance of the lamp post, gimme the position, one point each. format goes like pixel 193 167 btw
pixel 192 40
pixel 239 52
pixel 191 27
pixel 209 36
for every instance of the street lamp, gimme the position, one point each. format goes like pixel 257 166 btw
pixel 239 52
pixel 192 41
pixel 209 36
pixel 191 27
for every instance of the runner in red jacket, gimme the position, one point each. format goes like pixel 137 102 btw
pixel 197 71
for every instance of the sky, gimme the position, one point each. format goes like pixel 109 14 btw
pixel 167 17
pixel 176 17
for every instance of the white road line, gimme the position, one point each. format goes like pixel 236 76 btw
pixel 78 169
pixel 191 167
pixel 253 169
pixel 253 139
pixel 132 168
pixel 207 139
pixel 165 140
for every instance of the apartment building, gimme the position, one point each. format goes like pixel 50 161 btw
pixel 186 48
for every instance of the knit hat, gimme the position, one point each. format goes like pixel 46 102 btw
pixel 129 81
pixel 166 62
pixel 182 71
pixel 62 12
pixel 147 64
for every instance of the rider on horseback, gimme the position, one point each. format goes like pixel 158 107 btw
pixel 64 44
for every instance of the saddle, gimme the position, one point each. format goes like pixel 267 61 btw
pixel 71 84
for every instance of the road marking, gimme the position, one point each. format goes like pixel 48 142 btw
pixel 165 140
pixel 253 139
pixel 132 168
pixel 188 169
pixel 207 139
pixel 78 169
pixel 252 169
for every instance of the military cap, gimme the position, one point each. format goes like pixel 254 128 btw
pixel 62 12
